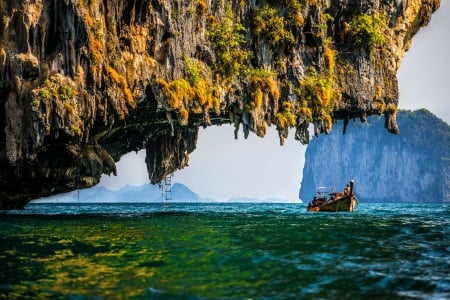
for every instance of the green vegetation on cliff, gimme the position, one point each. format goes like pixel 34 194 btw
pixel 227 37
pixel 271 27
pixel 368 31
pixel 89 81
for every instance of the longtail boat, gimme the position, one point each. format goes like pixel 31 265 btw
pixel 329 200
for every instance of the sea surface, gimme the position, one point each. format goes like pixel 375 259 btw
pixel 224 251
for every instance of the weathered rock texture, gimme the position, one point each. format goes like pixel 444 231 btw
pixel 411 167
pixel 83 82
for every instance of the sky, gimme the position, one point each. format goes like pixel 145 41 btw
pixel 222 167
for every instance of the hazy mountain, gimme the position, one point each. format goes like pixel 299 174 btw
pixel 142 193
pixel 128 193
pixel 182 193
pixel 256 200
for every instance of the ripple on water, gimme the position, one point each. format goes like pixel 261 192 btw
pixel 225 251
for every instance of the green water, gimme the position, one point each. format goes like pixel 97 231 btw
pixel 224 251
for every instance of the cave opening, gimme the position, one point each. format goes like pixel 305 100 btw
pixel 222 168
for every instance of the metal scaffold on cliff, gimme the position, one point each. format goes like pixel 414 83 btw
pixel 166 188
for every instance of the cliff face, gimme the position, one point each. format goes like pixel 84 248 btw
pixel 84 82
pixel 411 167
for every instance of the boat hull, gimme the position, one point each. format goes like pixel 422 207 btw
pixel 346 203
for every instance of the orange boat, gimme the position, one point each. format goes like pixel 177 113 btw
pixel 329 200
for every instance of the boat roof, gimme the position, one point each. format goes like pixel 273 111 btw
pixel 325 189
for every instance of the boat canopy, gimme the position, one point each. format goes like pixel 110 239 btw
pixel 325 190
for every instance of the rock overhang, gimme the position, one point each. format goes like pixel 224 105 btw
pixel 82 83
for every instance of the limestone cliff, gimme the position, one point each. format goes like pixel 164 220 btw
pixel 83 82
pixel 411 167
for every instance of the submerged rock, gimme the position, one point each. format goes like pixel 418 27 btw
pixel 84 82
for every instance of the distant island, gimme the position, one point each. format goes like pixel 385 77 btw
pixel 146 193
pixel 131 194
pixel 413 166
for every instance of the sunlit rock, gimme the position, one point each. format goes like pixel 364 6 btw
pixel 84 82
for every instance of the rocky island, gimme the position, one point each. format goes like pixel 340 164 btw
pixel 412 167
pixel 83 82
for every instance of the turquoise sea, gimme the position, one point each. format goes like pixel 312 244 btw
pixel 224 251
